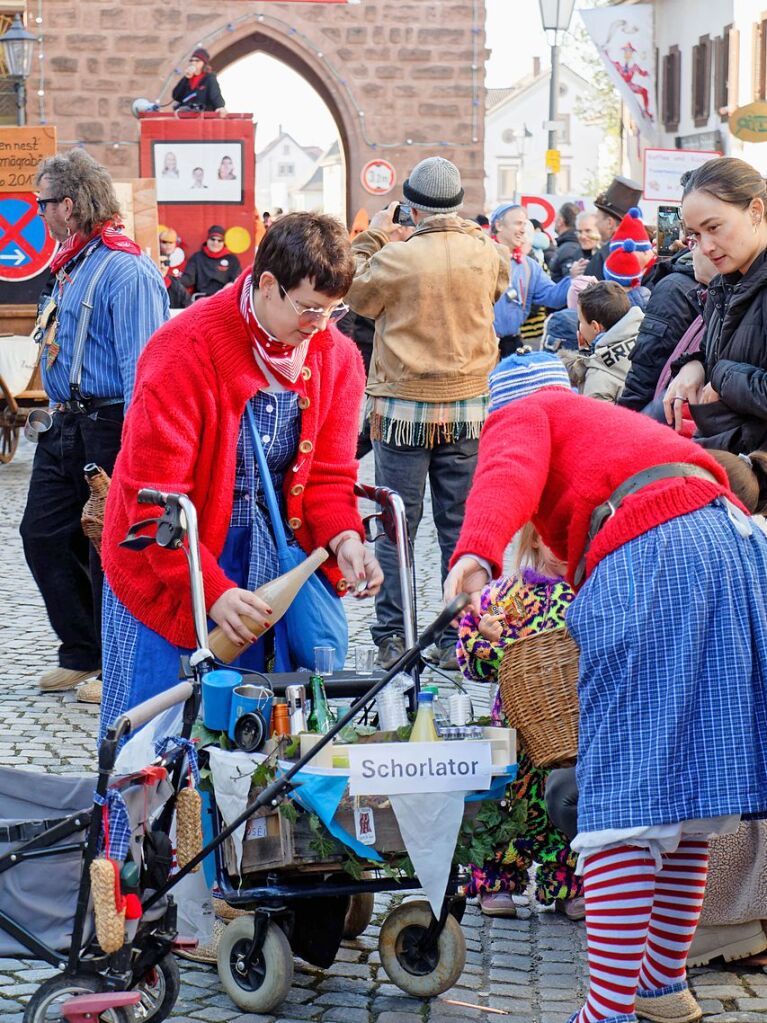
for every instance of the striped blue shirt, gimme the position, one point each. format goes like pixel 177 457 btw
pixel 130 303
pixel 529 286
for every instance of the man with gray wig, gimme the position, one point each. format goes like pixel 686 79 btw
pixel 107 300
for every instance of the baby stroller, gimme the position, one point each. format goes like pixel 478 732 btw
pixel 52 829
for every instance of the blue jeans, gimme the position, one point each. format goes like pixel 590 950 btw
pixel 404 469
pixel 64 563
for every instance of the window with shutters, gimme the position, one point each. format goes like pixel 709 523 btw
pixel 759 61
pixel 722 47
pixel 701 81
pixel 672 88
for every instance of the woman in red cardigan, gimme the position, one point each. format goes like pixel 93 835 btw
pixel 268 340
pixel 671 625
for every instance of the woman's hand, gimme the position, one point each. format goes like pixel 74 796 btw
pixel 358 565
pixel 684 389
pixel 233 603
pixel 466 576
pixel 490 626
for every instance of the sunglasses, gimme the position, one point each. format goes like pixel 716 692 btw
pixel 43 203
pixel 310 317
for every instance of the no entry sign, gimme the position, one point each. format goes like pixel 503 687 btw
pixel 26 247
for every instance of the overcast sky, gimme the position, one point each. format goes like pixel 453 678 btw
pixel 251 84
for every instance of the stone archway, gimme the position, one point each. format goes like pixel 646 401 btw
pixel 404 78
pixel 264 40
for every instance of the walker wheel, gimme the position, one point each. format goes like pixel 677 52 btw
pixel 265 984
pixel 46 1003
pixel 420 970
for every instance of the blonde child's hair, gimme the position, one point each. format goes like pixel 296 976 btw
pixel 527 554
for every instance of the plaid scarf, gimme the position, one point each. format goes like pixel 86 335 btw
pixel 284 362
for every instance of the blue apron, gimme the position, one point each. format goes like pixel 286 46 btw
pixel 138 662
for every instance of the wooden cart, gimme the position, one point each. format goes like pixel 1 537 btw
pixel 21 390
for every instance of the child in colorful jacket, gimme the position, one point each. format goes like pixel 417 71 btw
pixel 533 600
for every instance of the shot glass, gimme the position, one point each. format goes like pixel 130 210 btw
pixel 324 660
pixel 364 659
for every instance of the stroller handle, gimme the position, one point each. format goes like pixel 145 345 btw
pixel 143 712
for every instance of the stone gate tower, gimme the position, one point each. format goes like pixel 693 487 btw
pixel 404 79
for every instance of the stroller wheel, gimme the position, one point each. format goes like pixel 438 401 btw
pixel 159 990
pixel 264 985
pixel 420 969
pixel 46 1003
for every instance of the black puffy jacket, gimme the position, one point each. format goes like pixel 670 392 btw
pixel 734 351
pixel 568 250
pixel 672 307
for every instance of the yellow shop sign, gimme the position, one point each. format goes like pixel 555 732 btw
pixel 749 123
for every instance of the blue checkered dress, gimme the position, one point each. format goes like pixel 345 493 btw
pixel 672 629
pixel 138 662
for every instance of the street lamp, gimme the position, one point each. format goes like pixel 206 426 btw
pixel 555 15
pixel 18 50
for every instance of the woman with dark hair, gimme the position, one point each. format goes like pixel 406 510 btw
pixel 724 207
pixel 198 89
pixel 269 341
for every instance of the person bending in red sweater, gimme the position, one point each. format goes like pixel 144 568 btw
pixel 672 629
pixel 268 340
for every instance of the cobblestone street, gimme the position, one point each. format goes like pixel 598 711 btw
pixel 532 967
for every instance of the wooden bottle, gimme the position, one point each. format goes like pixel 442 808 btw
pixel 278 594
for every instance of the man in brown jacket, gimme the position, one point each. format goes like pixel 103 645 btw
pixel 431 292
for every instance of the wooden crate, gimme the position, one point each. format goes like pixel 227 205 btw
pixel 272 842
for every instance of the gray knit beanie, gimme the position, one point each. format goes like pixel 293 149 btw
pixel 434 186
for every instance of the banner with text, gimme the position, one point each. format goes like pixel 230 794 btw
pixel 623 37
pixel 405 767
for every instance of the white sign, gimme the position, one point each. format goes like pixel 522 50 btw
pixel 378 177
pixel 663 169
pixel 389 768
pixel 624 38
pixel 544 207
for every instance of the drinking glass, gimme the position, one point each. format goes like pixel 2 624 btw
pixel 364 659
pixel 324 660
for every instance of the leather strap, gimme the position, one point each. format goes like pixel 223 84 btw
pixel 604 511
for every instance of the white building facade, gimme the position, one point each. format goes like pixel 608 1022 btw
pixel 711 58
pixel 516 141
pixel 280 167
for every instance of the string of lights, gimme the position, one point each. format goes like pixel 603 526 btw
pixel 41 63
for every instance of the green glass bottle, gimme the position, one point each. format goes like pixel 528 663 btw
pixel 320 719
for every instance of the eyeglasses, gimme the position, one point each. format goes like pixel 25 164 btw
pixel 42 203
pixel 310 317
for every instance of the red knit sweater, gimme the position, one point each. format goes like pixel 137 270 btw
pixel 555 456
pixel 192 383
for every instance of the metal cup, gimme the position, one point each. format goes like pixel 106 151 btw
pixel 38 421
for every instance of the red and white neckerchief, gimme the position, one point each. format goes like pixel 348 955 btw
pixel 284 362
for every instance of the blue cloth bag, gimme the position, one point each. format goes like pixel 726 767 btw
pixel 316 617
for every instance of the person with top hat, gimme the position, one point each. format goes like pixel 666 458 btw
pixel 198 89
pixel 212 268
pixel 172 264
pixel 111 296
pixel 668 569
pixel 612 206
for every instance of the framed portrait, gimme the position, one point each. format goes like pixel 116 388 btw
pixel 198 172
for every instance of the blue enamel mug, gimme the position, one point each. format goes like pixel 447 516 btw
pixel 217 689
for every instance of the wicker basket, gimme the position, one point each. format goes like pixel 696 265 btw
pixel 539 691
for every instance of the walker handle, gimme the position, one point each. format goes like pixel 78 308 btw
pixel 143 712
